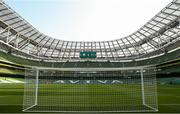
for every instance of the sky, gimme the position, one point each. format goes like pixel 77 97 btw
pixel 87 20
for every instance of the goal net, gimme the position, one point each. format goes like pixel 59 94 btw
pixel 130 89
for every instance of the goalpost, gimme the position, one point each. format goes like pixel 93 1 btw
pixel 127 89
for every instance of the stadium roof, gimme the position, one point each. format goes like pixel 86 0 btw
pixel 157 34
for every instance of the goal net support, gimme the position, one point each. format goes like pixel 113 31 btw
pixel 127 89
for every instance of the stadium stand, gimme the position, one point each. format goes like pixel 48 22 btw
pixel 157 41
pixel 156 44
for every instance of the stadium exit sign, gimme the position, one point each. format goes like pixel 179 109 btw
pixel 88 54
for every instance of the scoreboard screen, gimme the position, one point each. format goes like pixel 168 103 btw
pixel 88 54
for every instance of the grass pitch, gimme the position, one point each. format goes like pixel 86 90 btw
pixel 89 97
pixel 11 97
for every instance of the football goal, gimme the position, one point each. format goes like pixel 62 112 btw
pixel 127 89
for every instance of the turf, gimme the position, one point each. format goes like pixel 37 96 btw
pixel 11 97
pixel 89 97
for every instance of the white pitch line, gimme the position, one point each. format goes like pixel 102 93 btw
pixel 5 81
pixel 15 81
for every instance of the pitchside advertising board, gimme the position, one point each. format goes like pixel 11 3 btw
pixel 81 81
pixel 88 54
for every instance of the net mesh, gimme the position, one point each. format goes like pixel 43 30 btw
pixel 122 90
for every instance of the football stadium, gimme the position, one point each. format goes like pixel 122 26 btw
pixel 136 73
